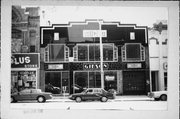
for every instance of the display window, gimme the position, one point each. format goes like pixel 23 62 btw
pixel 23 79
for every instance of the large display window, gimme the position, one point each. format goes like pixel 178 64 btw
pixel 23 79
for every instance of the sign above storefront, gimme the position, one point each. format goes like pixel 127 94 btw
pixel 25 60
pixel 55 66
pixel 134 65
pixel 94 33
pixel 94 66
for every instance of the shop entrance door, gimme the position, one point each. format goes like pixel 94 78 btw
pixel 57 82
pixel 134 83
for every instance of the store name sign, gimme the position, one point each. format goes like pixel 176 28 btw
pixel 55 66
pixel 95 66
pixel 94 33
pixel 23 60
pixel 134 65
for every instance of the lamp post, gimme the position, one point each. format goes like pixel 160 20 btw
pixel 101 56
pixel 160 27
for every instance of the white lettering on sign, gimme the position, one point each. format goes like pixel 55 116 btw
pixel 94 33
pixel 134 65
pixel 95 66
pixel 20 60
pixel 55 66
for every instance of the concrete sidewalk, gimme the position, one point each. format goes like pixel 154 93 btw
pixel 118 98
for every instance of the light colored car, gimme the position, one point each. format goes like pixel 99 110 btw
pixel 158 95
pixel 30 94
pixel 92 94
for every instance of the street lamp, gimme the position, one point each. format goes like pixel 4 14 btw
pixel 101 55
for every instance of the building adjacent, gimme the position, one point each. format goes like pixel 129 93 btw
pixel 25 48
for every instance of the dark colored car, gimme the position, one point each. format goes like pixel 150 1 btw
pixel 92 94
pixel 52 89
pixel 30 94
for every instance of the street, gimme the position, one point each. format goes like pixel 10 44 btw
pixel 96 105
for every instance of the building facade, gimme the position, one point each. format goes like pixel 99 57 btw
pixel 25 48
pixel 70 57
pixel 158 45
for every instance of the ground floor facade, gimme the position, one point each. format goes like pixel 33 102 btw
pixel 74 77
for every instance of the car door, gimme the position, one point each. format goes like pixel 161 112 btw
pixel 24 95
pixel 89 94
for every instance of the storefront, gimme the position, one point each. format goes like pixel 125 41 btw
pixel 24 71
pixel 72 57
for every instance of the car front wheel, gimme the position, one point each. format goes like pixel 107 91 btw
pixel 104 99
pixel 163 97
pixel 78 99
pixel 41 99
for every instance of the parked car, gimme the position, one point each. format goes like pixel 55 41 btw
pixel 30 94
pixel 92 94
pixel 52 89
pixel 158 95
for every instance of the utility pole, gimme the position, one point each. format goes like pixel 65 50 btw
pixel 101 56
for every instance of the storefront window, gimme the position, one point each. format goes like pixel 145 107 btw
pixel 81 79
pixel 82 53
pixel 110 82
pixel 56 52
pixel 94 80
pixel 23 79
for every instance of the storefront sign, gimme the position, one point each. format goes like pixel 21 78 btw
pixel 55 66
pixel 134 65
pixel 94 33
pixel 95 66
pixel 25 60
pixel 109 78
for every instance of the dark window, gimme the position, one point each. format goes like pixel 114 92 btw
pixel 108 52
pixel 32 48
pixel 94 53
pixel 82 53
pixel 133 52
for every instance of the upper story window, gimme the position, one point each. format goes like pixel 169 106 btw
pixel 133 52
pixel 56 53
pixel 91 52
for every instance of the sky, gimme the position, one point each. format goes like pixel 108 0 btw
pixel 142 16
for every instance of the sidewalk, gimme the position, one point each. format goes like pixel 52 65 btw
pixel 118 98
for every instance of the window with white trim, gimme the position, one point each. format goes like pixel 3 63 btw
pixel 133 52
pixel 56 53
pixel 91 52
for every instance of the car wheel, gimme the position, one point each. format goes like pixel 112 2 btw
pixel 41 99
pixel 78 99
pixel 104 99
pixel 163 97
pixel 156 99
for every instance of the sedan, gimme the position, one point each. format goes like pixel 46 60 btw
pixel 158 95
pixel 30 94
pixel 92 94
